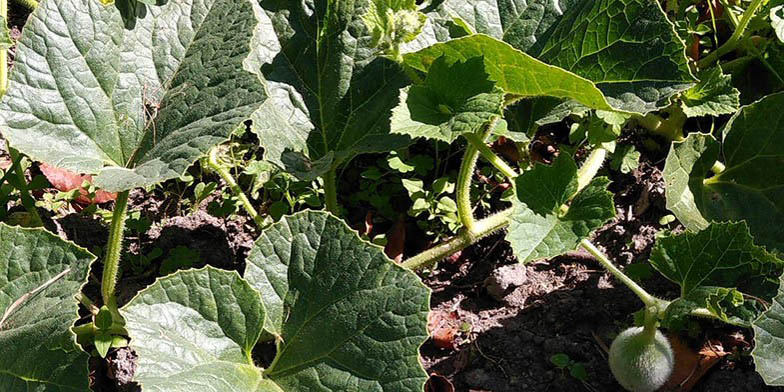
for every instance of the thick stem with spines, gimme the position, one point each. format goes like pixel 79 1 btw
pixel 111 265
pixel 490 156
pixel 464 210
pixel 482 227
pixel 214 163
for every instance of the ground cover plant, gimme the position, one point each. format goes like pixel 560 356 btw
pixel 355 150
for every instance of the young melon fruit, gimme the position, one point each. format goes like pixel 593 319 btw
pixel 639 363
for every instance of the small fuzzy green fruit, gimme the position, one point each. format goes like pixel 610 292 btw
pixel 639 364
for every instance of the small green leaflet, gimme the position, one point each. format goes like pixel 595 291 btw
pixel 540 226
pixel 745 190
pixel 625 159
pixel 392 23
pixel 134 104
pixel 713 95
pixel 628 48
pixel 456 98
pixel 345 318
pixel 722 255
pixel 39 274
pixel 514 71
pixel 331 93
pixel 769 341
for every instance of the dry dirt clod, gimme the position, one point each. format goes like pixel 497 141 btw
pixel 504 279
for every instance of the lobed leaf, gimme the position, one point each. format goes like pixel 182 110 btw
pixel 343 315
pixel 331 91
pixel 39 274
pixel 593 39
pixel 539 227
pixel 713 95
pixel 134 101
pixel 745 190
pixel 722 255
pixel 454 99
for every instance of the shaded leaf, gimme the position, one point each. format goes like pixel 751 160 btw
pixel 39 275
pixel 725 304
pixel 136 106
pixel 331 94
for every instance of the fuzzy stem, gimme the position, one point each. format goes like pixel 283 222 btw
pixel 490 156
pixel 646 298
pixel 464 211
pixel 735 38
pixel 483 227
pixel 29 4
pixel 215 165
pixel 111 265
pixel 21 185
pixel 590 168
pixel 730 15
pixel 670 128
pixel 650 323
pixel 331 191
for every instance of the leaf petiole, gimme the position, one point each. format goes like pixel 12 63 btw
pixel 214 164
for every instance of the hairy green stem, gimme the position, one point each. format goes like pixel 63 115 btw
pixel 490 156
pixel 670 128
pixel 21 185
pixel 212 161
pixel 650 323
pixel 464 210
pixel 483 227
pixel 111 265
pixel 590 168
pixel 646 298
pixel 735 38
pixel 331 191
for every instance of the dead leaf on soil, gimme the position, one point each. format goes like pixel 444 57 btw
pixel 66 180
pixel 396 240
pixel 691 365
pixel 444 328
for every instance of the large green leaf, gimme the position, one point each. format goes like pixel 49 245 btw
pixel 345 318
pixel 331 93
pixel 769 341
pixel 726 304
pixel 515 72
pixel 136 105
pixel 722 255
pixel 627 47
pixel 540 226
pixel 196 327
pixel 747 189
pixel 39 276
pixel 454 99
